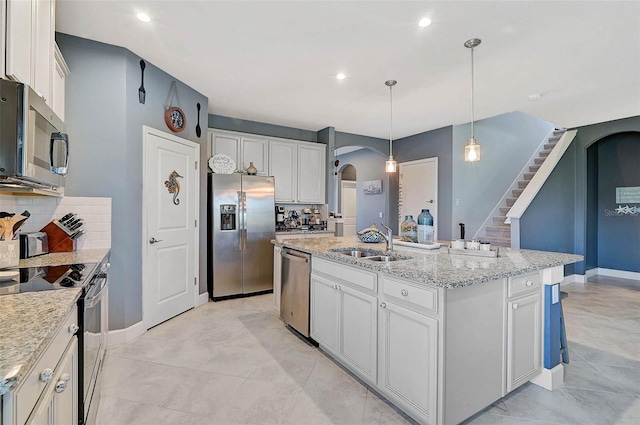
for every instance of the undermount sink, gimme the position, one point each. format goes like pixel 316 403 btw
pixel 369 255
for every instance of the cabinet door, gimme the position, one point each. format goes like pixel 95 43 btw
pixel 409 360
pixel 283 158
pixel 43 48
pixel 257 151
pixel 358 342
pixel 19 40
pixel 311 173
pixel 277 268
pixel 58 404
pixel 324 313
pixel 60 71
pixel 523 340
pixel 226 144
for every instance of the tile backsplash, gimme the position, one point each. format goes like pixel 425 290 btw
pixel 96 213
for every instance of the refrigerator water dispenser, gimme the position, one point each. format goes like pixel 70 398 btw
pixel 227 217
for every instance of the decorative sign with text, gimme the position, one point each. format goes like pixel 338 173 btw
pixel 628 195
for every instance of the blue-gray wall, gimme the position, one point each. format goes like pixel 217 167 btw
pixel 582 219
pixel 245 126
pixel 507 143
pixel 550 210
pixel 618 235
pixel 369 165
pixel 431 144
pixel 104 121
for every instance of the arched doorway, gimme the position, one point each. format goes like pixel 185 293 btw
pixel 348 198
pixel 613 211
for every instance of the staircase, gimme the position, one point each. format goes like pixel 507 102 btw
pixel 499 233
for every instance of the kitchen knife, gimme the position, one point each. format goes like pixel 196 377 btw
pixel 70 223
pixel 71 218
pixel 76 225
pixel 65 217
pixel 77 234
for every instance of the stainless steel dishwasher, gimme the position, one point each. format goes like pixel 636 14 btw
pixel 295 290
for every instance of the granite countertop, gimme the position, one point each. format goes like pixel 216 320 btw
pixel 435 267
pixel 31 319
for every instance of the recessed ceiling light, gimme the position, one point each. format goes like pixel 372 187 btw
pixel 535 96
pixel 341 76
pixel 143 17
pixel 424 22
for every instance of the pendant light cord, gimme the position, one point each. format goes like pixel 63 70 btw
pixel 472 103
pixel 391 122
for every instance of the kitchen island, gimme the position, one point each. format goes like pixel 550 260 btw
pixel 439 335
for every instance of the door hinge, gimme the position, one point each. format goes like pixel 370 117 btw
pixel 196 223
pixel 196 165
pixel 195 281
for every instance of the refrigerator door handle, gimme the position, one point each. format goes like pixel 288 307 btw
pixel 244 219
pixel 240 218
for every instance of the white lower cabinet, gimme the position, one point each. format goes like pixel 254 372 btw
pixel 523 339
pixel 324 313
pixel 48 393
pixel 59 403
pixel 277 276
pixel 408 360
pixel 344 323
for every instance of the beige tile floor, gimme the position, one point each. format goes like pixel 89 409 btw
pixel 233 362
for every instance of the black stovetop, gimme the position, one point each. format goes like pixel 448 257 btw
pixel 45 278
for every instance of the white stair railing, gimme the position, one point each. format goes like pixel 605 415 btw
pixel 534 186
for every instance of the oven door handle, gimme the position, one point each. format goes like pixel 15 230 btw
pixel 91 301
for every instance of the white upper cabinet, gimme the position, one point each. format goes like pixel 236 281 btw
pixel 283 163
pixel 298 167
pixel 226 144
pixel 311 173
pixel 29 49
pixel 243 149
pixel 19 40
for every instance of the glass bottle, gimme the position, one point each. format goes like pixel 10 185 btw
pixel 425 227
pixel 409 229
pixel 252 170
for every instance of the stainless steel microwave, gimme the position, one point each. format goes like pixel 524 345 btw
pixel 34 150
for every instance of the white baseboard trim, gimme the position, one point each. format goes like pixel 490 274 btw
pixel 121 336
pixel 550 379
pixel 591 272
pixel 618 273
pixel 202 299
pixel 574 278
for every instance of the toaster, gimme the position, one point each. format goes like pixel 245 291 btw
pixel 33 243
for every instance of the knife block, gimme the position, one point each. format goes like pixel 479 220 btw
pixel 58 238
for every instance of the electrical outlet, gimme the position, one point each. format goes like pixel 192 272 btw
pixel 380 214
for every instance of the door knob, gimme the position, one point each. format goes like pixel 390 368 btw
pixel 154 240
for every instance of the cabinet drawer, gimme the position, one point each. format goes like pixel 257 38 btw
pixel 423 297
pixel 32 386
pixel 522 284
pixel 362 278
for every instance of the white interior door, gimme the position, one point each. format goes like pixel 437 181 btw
pixel 419 189
pixel 170 209
pixel 348 207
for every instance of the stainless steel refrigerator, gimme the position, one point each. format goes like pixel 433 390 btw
pixel 241 226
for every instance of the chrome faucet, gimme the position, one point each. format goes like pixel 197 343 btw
pixel 388 237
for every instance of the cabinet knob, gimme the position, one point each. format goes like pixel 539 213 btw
pixel 73 329
pixel 529 283
pixel 61 385
pixel 45 375
pixel 339 288
pixel 515 306
pixel 383 305
pixel 404 292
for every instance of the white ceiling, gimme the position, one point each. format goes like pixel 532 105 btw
pixel 276 62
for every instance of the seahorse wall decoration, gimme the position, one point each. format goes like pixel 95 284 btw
pixel 173 186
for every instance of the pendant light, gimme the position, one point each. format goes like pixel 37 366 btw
pixel 472 150
pixel 390 165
